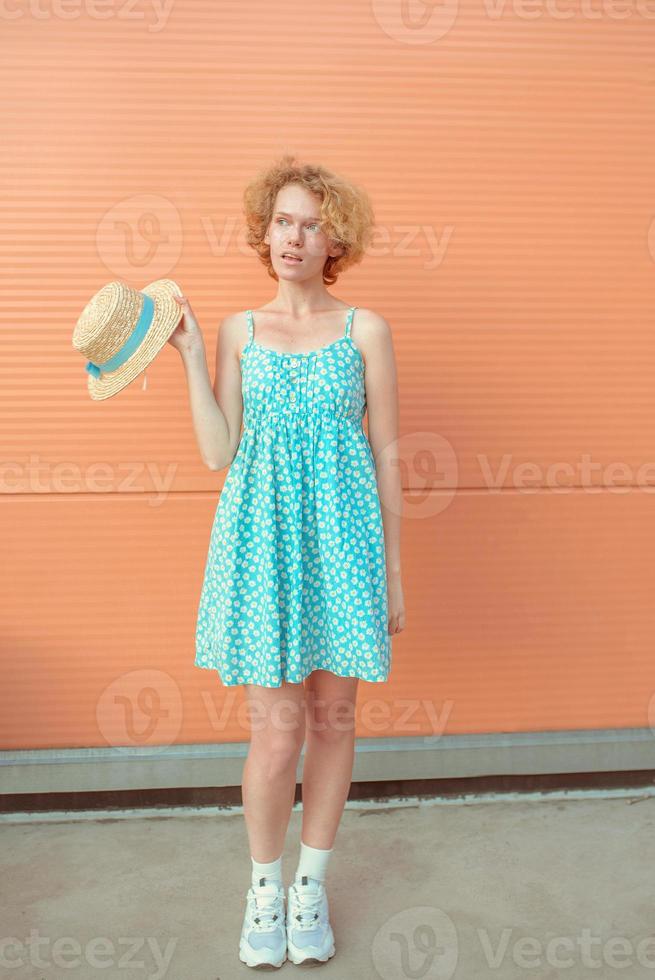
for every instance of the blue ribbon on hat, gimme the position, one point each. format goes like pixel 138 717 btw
pixel 132 342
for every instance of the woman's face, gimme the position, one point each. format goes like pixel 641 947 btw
pixel 296 228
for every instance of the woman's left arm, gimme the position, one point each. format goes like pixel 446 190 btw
pixel 376 342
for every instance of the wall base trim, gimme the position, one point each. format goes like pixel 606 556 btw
pixel 376 760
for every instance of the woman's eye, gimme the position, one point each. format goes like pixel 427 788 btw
pixel 313 224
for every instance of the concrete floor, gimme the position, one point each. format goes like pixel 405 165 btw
pixel 463 890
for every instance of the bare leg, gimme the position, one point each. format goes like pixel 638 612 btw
pixel 329 754
pixel 269 776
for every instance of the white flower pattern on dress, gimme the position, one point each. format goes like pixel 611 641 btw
pixel 295 578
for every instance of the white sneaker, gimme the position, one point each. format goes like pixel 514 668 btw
pixel 309 934
pixel 263 942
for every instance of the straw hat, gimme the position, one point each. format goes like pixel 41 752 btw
pixel 121 330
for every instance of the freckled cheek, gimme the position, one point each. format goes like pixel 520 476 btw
pixel 277 240
pixel 314 246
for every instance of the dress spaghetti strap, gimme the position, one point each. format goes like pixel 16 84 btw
pixel 349 321
pixel 251 327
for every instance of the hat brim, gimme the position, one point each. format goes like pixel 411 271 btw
pixel 167 315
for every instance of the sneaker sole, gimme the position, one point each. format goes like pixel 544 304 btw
pixel 301 959
pixel 252 962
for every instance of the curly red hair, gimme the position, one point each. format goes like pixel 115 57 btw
pixel 347 216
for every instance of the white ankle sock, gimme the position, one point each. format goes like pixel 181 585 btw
pixel 271 870
pixel 313 862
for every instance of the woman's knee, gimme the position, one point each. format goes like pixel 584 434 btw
pixel 276 716
pixel 332 723
pixel 276 751
pixel 277 730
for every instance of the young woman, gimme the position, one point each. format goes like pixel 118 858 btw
pixel 302 590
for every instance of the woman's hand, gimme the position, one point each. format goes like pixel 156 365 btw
pixel 187 336
pixel 396 603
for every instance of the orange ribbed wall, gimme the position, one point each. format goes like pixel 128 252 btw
pixel 509 152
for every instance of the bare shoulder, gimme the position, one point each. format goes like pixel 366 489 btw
pixel 372 334
pixel 233 333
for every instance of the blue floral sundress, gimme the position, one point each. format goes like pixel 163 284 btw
pixel 295 578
